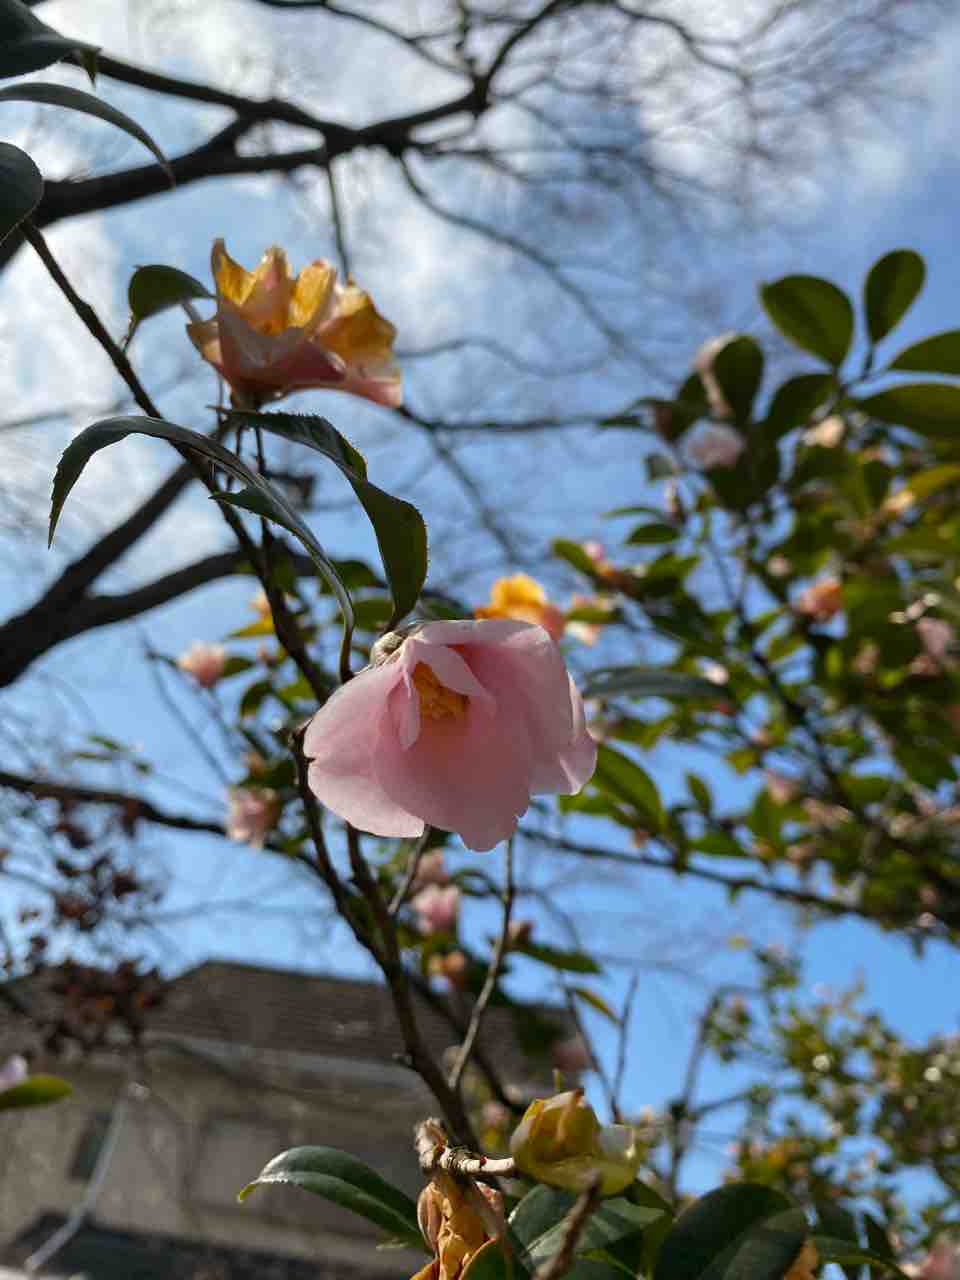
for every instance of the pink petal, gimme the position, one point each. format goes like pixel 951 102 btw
pixel 469 775
pixel 573 767
pixel 530 666
pixel 341 742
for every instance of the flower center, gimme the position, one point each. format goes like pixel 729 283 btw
pixel 437 702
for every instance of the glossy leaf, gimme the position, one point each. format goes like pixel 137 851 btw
pixel 568 961
pixel 628 783
pixel 575 555
pixel 744 1231
pixel 937 354
pixel 62 95
pixel 649 534
pixel 21 187
pixel 27 44
pixel 110 430
pixel 490 1262
pixel 738 367
pixel 595 1001
pixel 930 408
pixel 346 1181
pixel 845 1253
pixel 646 682
pixel 155 288
pixel 813 313
pixel 615 1220
pixel 891 287
pixel 35 1091
pixel 795 401
pixel 400 531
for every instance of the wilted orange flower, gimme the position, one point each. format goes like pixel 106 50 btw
pixel 522 597
pixel 274 333
pixel 456 1220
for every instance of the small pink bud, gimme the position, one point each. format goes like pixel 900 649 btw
pixel 437 909
pixel 252 814
pixel 205 662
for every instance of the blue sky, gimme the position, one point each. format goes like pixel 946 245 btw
pixel 894 187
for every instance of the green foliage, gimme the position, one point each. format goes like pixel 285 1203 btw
pixel 346 1181
pixel 930 408
pixel 741 1232
pixel 155 288
pixel 21 187
pixel 35 1091
pixel 738 367
pixel 891 286
pixel 60 95
pixel 813 313
pixel 27 44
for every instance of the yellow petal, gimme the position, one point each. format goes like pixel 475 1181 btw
pixel 311 292
pixel 358 333
pixel 233 281
pixel 519 590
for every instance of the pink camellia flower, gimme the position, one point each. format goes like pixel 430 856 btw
pixel 274 333
pixel 13 1072
pixel 571 1055
pixel 205 662
pixel 437 909
pixel 716 446
pixel 252 815
pixel 455 724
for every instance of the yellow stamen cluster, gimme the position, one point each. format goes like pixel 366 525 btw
pixel 437 702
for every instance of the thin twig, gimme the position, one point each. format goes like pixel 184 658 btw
pixel 493 974
pixel 410 876
pixel 621 1068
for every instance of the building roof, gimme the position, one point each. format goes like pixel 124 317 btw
pixel 99 1252
pixel 292 1012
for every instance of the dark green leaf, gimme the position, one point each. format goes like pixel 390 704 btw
pixel 613 1221
pixel 740 1232
pixel 846 1254
pixel 795 401
pixel 877 1238
pixel 738 367
pixel 27 44
pixel 813 313
pixel 62 95
pixel 348 1182
pixel 83 446
pixel 569 961
pixel 35 1091
pixel 839 1224
pixel 490 1262
pixel 538 1211
pixel 155 288
pixel 575 555
pixel 646 682
pixel 701 793
pixel 644 534
pixel 595 1001
pixel 930 408
pixel 626 782
pixel 21 187
pixel 937 354
pixel 399 528
pixel 892 284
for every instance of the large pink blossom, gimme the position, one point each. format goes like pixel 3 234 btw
pixel 457 725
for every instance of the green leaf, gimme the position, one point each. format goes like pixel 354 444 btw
pixel 646 682
pixel 891 287
pixel 27 44
pixel 701 793
pixel 813 313
pixel 937 354
pixel 740 1232
pixel 108 431
pixel 930 408
pixel 538 1211
pixel 568 961
pixel 21 187
pixel 795 401
pixel 400 531
pixel 575 555
pixel 490 1262
pixel 35 1091
pixel 845 1253
pixel 646 534
pixel 346 1181
pixel 62 95
pixel 625 781
pixel 738 367
pixel 155 288
pixel 595 1001
pixel 877 1238
pixel 615 1220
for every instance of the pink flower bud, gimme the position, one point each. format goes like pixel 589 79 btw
pixel 205 662
pixel 437 909
pixel 456 724
pixel 936 636
pixel 252 814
